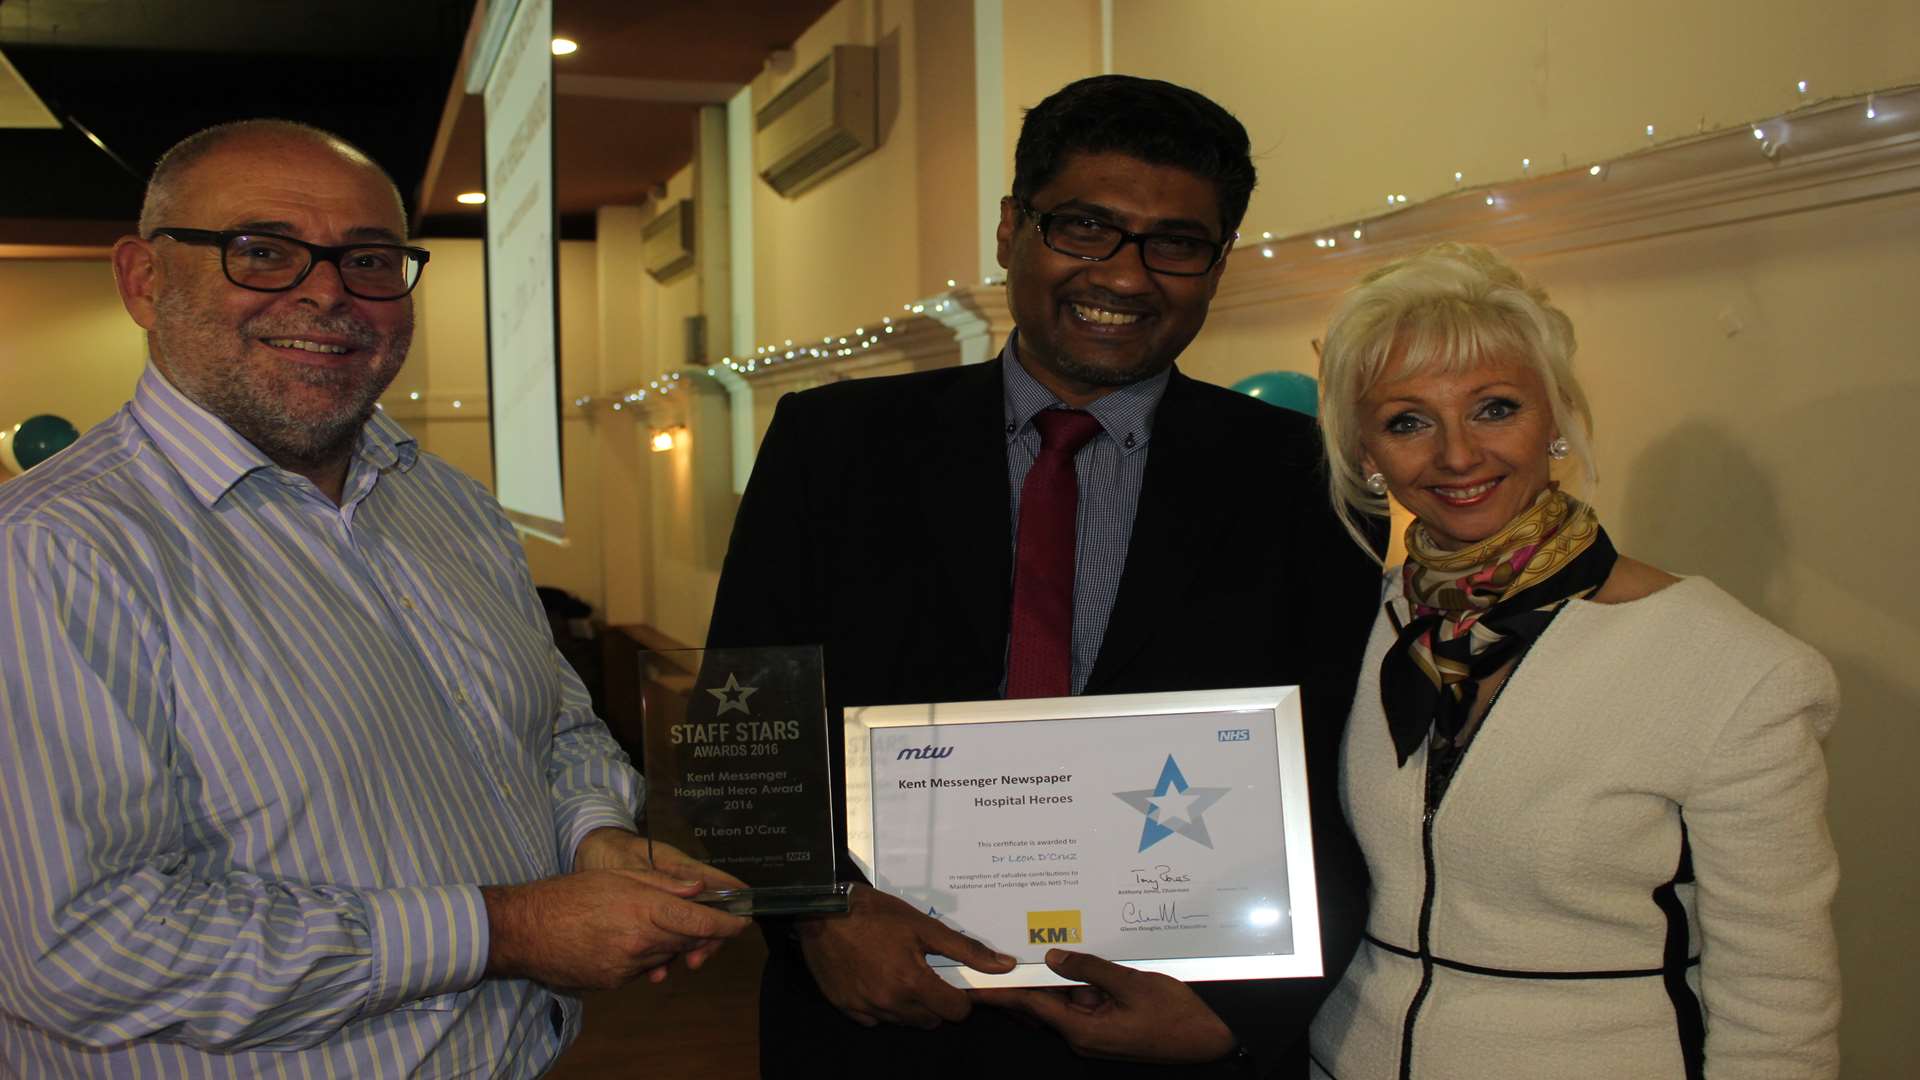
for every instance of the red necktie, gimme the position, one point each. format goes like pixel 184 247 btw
pixel 1040 653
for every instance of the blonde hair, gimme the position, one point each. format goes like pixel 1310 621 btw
pixel 1451 308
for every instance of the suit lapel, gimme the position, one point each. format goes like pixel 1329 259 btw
pixel 963 495
pixel 1180 500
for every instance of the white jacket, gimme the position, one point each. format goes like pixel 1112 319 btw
pixel 1627 729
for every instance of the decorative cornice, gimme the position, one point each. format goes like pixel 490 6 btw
pixel 947 329
pixel 1826 155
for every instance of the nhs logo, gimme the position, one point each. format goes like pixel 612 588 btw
pixel 1237 734
pixel 914 753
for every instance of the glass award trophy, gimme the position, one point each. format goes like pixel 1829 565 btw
pixel 737 767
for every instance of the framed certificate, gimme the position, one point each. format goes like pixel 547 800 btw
pixel 1167 832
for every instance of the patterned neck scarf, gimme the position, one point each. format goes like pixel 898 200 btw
pixel 1473 610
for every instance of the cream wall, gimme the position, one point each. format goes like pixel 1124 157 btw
pixel 449 363
pixel 892 226
pixel 1762 459
pixel 896 224
pixel 67 347
pixel 663 345
pixel 1751 382
pixel 1044 47
pixel 654 564
pixel 674 547
pixel 1707 439
pixel 1348 101
pixel 1767 458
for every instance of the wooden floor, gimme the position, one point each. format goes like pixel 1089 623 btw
pixel 699 1025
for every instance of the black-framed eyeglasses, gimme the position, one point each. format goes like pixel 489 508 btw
pixel 269 262
pixel 1089 238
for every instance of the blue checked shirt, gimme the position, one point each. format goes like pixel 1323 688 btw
pixel 257 752
pixel 1110 469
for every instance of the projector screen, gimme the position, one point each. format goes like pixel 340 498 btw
pixel 523 346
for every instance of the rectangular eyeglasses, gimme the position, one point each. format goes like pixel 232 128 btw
pixel 269 262
pixel 1089 238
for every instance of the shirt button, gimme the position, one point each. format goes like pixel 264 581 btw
pixel 407 602
pixel 460 696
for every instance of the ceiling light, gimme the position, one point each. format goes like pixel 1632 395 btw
pixel 470 198
pixel 565 46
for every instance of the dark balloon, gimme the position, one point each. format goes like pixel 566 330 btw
pixel 39 438
pixel 1287 389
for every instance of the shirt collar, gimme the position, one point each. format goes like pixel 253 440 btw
pixel 212 457
pixel 1126 414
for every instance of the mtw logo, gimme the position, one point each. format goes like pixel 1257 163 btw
pixel 924 752
pixel 1053 927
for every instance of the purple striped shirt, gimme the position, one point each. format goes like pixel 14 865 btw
pixel 258 752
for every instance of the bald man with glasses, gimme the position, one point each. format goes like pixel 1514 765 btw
pixel 292 778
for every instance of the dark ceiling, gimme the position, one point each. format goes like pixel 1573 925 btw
pixel 141 74
pixel 625 104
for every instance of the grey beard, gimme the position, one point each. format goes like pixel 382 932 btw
pixel 288 440
pixel 246 400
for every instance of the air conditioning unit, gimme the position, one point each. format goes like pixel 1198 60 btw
pixel 820 123
pixel 666 242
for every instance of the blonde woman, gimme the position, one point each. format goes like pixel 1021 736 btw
pixel 1590 793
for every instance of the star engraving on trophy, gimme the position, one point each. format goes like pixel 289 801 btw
pixel 733 696
pixel 1171 806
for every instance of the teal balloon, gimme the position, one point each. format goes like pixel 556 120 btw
pixel 39 438
pixel 1287 389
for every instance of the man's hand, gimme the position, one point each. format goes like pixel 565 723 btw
pixel 871 963
pixel 1121 1013
pixel 618 849
pixel 598 929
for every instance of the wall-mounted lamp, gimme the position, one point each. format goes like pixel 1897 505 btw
pixel 664 439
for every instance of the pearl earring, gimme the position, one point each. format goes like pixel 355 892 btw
pixel 1559 448
pixel 1377 483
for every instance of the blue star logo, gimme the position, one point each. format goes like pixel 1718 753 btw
pixel 1172 806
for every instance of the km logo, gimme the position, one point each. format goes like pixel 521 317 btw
pixel 1053 927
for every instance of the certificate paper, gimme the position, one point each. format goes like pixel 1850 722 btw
pixel 1167 832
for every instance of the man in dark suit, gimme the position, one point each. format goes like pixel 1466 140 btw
pixel 1074 517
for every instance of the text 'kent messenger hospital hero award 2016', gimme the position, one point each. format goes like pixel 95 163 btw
pixel 738 772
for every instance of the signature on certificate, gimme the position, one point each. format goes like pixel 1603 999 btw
pixel 1166 913
pixel 1149 879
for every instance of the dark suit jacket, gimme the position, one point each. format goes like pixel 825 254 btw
pixel 878 523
